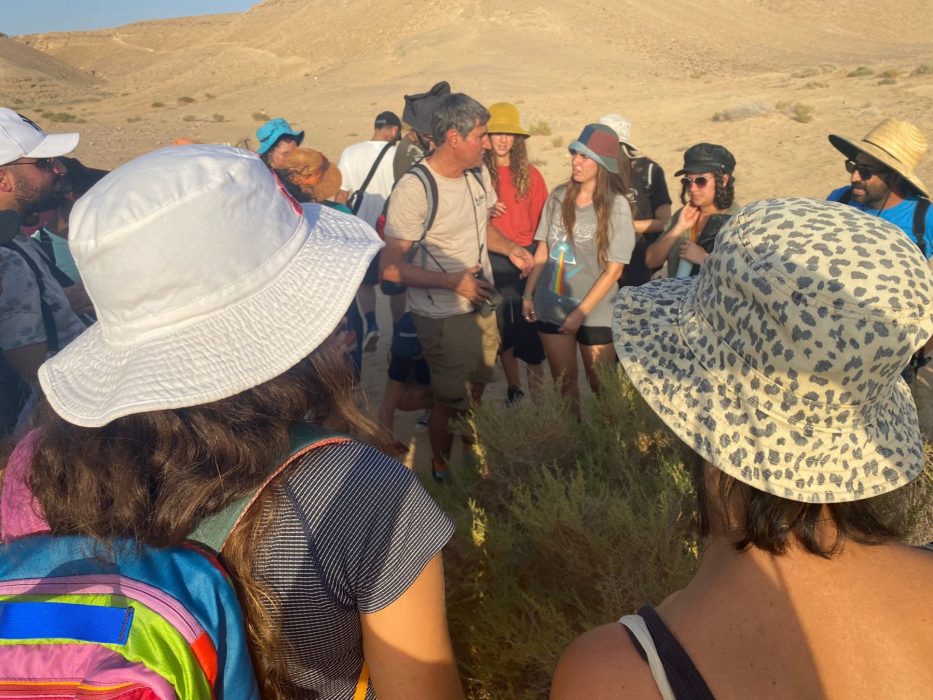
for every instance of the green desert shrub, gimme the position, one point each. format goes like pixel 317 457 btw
pixel 540 128
pixel 189 118
pixel 922 69
pixel 260 116
pixel 860 72
pixel 62 117
pixel 157 104
pixel 218 117
pixel 185 100
pixel 742 111
pixel 561 526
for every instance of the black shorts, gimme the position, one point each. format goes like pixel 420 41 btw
pixel 586 335
pixel 371 278
pixel 406 370
pixel 517 334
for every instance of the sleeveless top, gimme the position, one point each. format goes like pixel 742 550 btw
pixel 674 673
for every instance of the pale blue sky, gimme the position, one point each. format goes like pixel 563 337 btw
pixel 39 16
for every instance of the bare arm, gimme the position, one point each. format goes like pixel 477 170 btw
pixel 394 268
pixel 528 305
pixel 407 646
pixel 658 251
pixel 661 216
pixel 517 255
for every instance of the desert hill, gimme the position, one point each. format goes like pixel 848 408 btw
pixel 777 75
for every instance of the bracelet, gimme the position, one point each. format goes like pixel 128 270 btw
pixel 528 298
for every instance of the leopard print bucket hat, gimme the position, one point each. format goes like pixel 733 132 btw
pixel 780 362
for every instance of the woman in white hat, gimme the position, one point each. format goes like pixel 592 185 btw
pixel 219 298
pixel 520 196
pixel 779 367
pixel 585 239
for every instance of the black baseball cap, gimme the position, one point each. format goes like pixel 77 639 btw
pixel 384 119
pixel 707 158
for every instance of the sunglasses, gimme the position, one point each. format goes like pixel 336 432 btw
pixel 700 181
pixel 41 163
pixel 866 171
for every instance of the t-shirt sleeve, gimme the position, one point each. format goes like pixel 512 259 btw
pixel 547 214
pixel 346 176
pixel 20 308
pixel 537 195
pixel 387 526
pixel 621 232
pixel 408 207
pixel 659 192
pixel 836 195
pixel 928 234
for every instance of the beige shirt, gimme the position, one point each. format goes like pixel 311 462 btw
pixel 457 240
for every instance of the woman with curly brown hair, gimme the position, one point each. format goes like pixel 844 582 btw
pixel 708 196
pixel 585 238
pixel 521 193
pixel 185 396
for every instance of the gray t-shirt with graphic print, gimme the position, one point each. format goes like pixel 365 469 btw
pixel 572 267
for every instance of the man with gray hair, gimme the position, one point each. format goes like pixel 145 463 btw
pixel 437 244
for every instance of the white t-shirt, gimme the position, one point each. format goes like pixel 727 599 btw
pixel 457 240
pixel 355 164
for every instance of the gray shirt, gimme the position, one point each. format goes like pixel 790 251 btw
pixel 572 265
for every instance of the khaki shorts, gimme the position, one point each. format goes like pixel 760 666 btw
pixel 461 350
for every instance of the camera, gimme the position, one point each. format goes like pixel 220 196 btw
pixel 487 306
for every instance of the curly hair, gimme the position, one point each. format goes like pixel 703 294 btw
pixel 518 168
pixel 603 201
pixel 725 190
pixel 153 476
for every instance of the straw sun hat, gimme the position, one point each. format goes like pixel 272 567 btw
pixel 780 362
pixel 895 143
pixel 208 279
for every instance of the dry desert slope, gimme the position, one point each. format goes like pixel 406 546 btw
pixel 780 75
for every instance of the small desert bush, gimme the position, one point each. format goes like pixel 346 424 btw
pixel 540 128
pixel 815 84
pixel 922 69
pixel 62 117
pixel 561 525
pixel 189 118
pixel 891 73
pixel 806 73
pixel 887 81
pixel 209 95
pixel 798 111
pixel 557 141
pixel 860 72
pixel 185 100
pixel 133 120
pixel 218 117
pixel 260 116
pixel 742 111
pixel 158 104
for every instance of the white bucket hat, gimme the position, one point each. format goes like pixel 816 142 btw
pixel 780 362
pixel 23 138
pixel 620 125
pixel 208 279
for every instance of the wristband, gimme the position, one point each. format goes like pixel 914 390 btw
pixel 528 298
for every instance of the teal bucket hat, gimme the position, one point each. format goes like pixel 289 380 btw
pixel 273 130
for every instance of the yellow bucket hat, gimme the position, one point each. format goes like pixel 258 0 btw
pixel 503 119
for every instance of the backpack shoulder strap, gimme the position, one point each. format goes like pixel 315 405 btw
pixel 214 530
pixel 45 242
pixel 920 223
pixel 421 171
pixel 358 195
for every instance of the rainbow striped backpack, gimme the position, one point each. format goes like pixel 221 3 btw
pixel 84 620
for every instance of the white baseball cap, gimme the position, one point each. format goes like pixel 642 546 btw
pixel 20 137
pixel 207 278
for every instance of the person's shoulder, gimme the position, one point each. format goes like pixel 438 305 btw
pixel 602 664
pixel 837 194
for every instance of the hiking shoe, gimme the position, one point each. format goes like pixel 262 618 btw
pixel 515 394
pixel 440 470
pixel 423 420
pixel 371 340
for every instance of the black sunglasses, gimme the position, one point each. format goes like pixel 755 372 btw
pixel 866 171
pixel 41 163
pixel 700 181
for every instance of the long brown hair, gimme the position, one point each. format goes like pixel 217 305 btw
pixel 153 476
pixel 518 168
pixel 603 200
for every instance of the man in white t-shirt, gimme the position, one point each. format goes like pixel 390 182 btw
pixel 366 169
pixel 449 277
